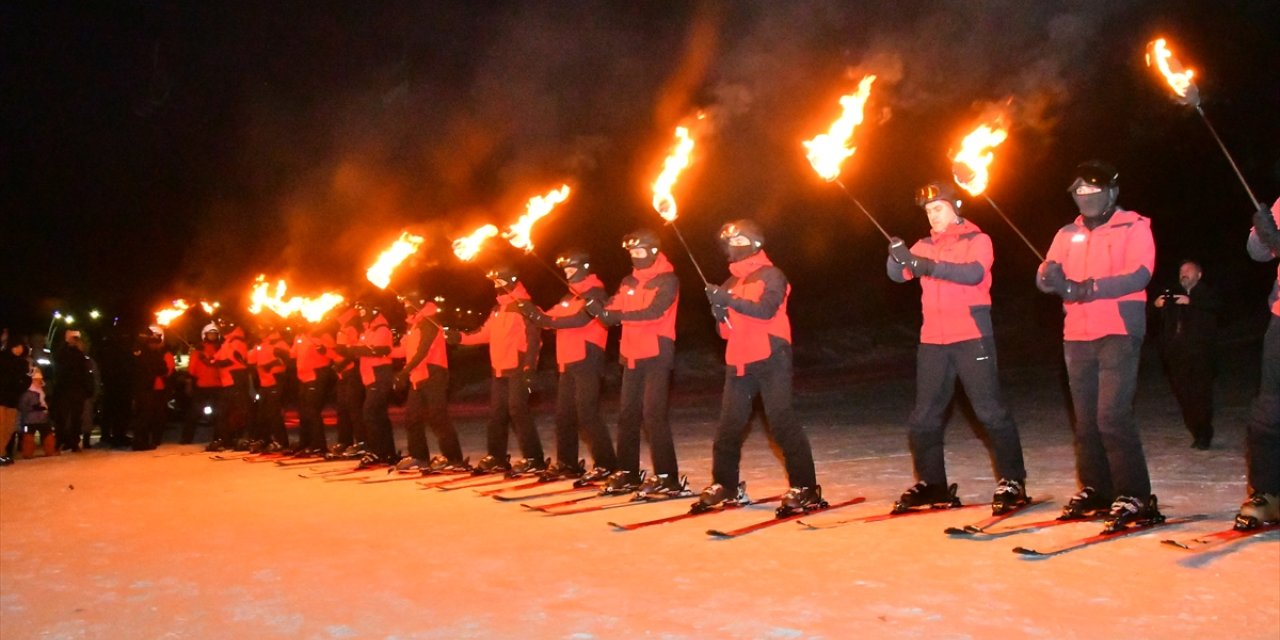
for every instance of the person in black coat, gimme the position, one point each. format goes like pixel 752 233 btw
pixel 1188 328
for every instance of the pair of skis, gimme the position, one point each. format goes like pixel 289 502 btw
pixel 1219 539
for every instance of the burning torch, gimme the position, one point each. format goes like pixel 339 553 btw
pixel 827 151
pixel 663 201
pixel 1185 91
pixel 520 233
pixel 972 164
pixel 311 309
pixel 391 258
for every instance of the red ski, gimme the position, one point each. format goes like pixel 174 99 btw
pixel 407 477
pixel 981 526
pixel 690 514
pixel 1219 538
pixel 347 476
pixel 880 517
pixel 742 531
pixel 1103 537
pixel 542 494
pixel 631 502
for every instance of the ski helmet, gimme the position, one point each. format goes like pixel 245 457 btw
pixel 741 239
pixel 576 264
pixel 939 190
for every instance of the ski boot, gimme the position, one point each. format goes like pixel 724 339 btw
pixel 715 496
pixel 410 464
pixel 923 494
pixel 373 460
pixel 562 471
pixel 661 486
pixel 444 465
pixel 492 464
pixel 243 444
pixel 1127 510
pixel 1260 509
pixel 1009 495
pixel 215 446
pixel 528 466
pixel 1086 503
pixel 802 500
pixel 595 476
pixel 622 482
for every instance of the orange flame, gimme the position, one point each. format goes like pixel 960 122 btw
pixel 399 251
pixel 311 309
pixel 971 165
pixel 536 209
pixel 468 246
pixel 210 307
pixel 827 151
pixel 677 161
pixel 166 316
pixel 1178 77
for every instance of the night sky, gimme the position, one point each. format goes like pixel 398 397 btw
pixel 160 149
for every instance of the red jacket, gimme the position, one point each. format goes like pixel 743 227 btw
pixel 956 300
pixel 513 341
pixel 378 334
pixel 312 353
pixel 268 360
pixel 572 336
pixel 646 317
pixel 236 351
pixel 758 312
pixel 206 376
pixel 436 352
pixel 1119 256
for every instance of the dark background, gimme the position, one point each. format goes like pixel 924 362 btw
pixel 160 149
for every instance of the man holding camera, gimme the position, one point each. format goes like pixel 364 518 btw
pixel 1188 324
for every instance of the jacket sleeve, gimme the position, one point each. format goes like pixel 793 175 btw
pixel 479 336
pixel 1139 261
pixel 668 285
pixel 429 331
pixel 1205 299
pixel 775 291
pixel 971 272
pixel 533 342
pixel 579 319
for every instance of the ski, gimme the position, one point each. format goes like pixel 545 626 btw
pixel 634 501
pixel 1102 537
pixel 516 487
pixel 544 494
pixel 1037 526
pixel 454 483
pixel 501 479
pixel 1219 538
pixel 880 517
pixel 218 457
pixel 351 475
pixel 571 501
pixel 407 477
pixel 299 462
pixel 763 524
pixel 690 514
pixel 323 473
pixel 981 526
pixel 265 457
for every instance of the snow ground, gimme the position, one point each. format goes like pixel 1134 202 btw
pixel 167 544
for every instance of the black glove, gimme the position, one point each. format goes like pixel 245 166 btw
pixel 717 296
pixel 1077 290
pixel 922 266
pixel 606 316
pixel 452 337
pixel 593 307
pixel 898 251
pixel 1053 277
pixel 720 313
pixel 1264 224
pixel 527 309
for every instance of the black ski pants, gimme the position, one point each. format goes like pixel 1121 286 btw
pixel 202 397
pixel 377 398
pixel 148 430
pixel 1190 370
pixel 578 412
pixel 350 400
pixel 769 379
pixel 310 407
pixel 1262 436
pixel 1103 374
pixel 239 404
pixel 270 416
pixel 509 410
pixel 428 405
pixel 646 391
pixel 937 368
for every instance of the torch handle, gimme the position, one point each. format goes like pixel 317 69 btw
pixel 692 259
pixel 552 270
pixel 864 211
pixel 1226 153
pixel 1015 228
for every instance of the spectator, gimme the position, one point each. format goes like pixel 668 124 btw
pixel 1188 323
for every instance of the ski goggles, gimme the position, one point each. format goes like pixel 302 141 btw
pixel 732 235
pixel 931 192
pixel 1094 175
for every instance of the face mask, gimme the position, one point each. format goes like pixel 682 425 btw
pixel 499 283
pixel 642 257
pixel 1092 201
pixel 570 272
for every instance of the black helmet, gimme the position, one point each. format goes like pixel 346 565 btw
pixel 641 238
pixel 1097 173
pixel 504 272
pixel 734 231
pixel 573 258
pixel 938 190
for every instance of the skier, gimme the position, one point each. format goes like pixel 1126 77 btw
pixel 513 357
pixel 645 305
pixel 751 313
pixel 350 389
pixel 232 362
pixel 207 398
pixel 313 350
pixel 953 265
pixel 1262 455
pixel 426 376
pixel 72 388
pixel 270 357
pixel 1100 265
pixel 374 352
pixel 154 365
pixel 580 343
